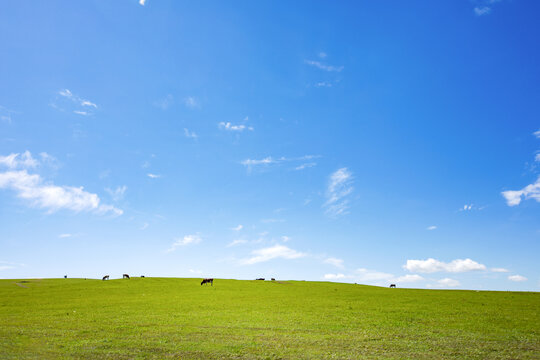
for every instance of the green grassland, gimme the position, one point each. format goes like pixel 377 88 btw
pixel 177 318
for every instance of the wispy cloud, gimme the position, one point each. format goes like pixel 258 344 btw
pixel 517 278
pixel 142 2
pixel 5 115
pixel 305 166
pixel 514 197
pixel 482 10
pixel 537 134
pixel 191 102
pixel 164 103
pixel 231 127
pixel 324 67
pixel 118 193
pixel 339 188
pixel 32 188
pixel 190 134
pixel 269 160
pixel 270 253
pixel 499 270
pixel 447 282
pixel 186 240
pixel 334 261
pixel 238 228
pixel 153 176
pixel 432 227
pixel 64 236
pixel 82 106
pixel 431 265
pixel 17 160
pixel 145 226
pixel 237 242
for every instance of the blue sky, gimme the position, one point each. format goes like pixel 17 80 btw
pixel 374 142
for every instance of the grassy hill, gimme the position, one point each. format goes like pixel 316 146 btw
pixel 178 318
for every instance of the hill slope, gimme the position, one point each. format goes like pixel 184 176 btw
pixel 178 318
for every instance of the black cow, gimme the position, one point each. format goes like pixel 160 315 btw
pixel 106 277
pixel 392 285
pixel 208 281
pixel 125 276
pixel 260 279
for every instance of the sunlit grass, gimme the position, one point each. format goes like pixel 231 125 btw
pixel 178 318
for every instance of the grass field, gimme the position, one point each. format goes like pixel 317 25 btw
pixel 178 318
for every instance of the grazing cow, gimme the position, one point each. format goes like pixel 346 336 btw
pixel 106 277
pixel 273 279
pixel 125 276
pixel 260 279
pixel 392 285
pixel 208 281
pixel 142 275
pixel 65 276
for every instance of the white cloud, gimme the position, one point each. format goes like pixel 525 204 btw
pixel 16 160
pixel 431 265
pixel 432 227
pixel 6 267
pixel 265 161
pixel 537 157
pixel 537 133
pixel 118 193
pixel 237 242
pixel 514 197
pixel 52 197
pixel 335 276
pixel 153 176
pixel 334 261
pixel 285 238
pixel 372 275
pixel 322 55
pixel 186 240
pixel 324 67
pixel 517 278
pixel 192 271
pixel 269 160
pixel 274 252
pixel 230 127
pixel 63 236
pixel 484 10
pixel 238 228
pixel 70 97
pixel 189 134
pixel 305 166
pixel 466 207
pixel 144 226
pixel 191 102
pixel 499 270
pixel 88 103
pixel 164 103
pixel 323 84
pixel 339 187
pixel 447 282
pixel 408 278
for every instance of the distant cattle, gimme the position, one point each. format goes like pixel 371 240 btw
pixel 125 276
pixel 65 276
pixel 106 277
pixel 273 279
pixel 208 281
pixel 392 285
pixel 260 279
pixel 142 275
